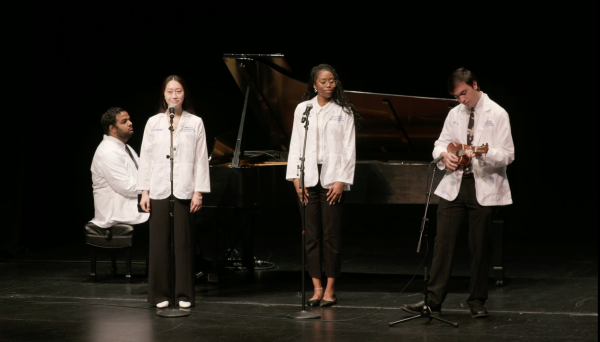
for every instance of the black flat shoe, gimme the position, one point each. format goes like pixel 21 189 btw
pixel 313 302
pixel 326 303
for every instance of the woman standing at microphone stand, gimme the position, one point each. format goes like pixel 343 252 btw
pixel 182 180
pixel 329 171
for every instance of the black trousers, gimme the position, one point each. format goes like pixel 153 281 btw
pixel 161 262
pixel 323 233
pixel 451 217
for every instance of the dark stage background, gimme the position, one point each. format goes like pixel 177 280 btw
pixel 541 69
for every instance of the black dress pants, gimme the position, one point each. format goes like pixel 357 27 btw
pixel 323 233
pixel 161 258
pixel 451 216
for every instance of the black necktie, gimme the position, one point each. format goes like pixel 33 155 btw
pixel 470 133
pixel 131 155
pixel 470 128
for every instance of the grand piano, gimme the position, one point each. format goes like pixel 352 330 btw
pixel 393 150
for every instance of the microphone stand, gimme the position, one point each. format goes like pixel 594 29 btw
pixel 426 310
pixel 303 314
pixel 171 311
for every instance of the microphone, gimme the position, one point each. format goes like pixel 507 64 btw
pixel 172 110
pixel 436 160
pixel 306 112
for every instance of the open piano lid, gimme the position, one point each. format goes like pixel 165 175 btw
pixel 394 127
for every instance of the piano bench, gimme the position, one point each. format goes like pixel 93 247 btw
pixel 113 238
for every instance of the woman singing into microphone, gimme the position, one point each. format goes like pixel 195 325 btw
pixel 329 171
pixel 190 180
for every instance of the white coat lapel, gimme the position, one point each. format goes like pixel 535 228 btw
pixel 330 113
pixel 313 112
pixel 184 118
pixel 463 122
pixel 483 118
pixel 313 120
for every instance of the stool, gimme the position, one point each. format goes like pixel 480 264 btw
pixel 117 236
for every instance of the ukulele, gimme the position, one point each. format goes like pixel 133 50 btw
pixel 460 149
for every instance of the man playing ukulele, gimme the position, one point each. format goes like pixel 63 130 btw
pixel 469 192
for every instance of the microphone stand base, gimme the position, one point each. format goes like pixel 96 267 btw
pixel 303 315
pixel 173 313
pixel 426 313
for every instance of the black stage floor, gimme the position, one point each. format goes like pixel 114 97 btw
pixel 550 294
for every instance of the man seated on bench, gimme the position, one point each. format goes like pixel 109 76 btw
pixel 114 173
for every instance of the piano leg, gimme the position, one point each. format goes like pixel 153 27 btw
pixel 218 266
pixel 248 245
pixel 245 233
pixel 498 246
pixel 239 225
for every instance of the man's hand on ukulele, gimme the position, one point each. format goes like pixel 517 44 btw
pixel 450 160
pixel 470 154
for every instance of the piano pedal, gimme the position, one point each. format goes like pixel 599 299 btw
pixel 213 278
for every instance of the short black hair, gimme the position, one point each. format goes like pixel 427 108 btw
pixel 461 75
pixel 110 118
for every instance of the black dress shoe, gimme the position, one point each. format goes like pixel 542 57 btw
pixel 478 310
pixel 326 303
pixel 313 302
pixel 436 310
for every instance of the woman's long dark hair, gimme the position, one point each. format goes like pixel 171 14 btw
pixel 187 97
pixel 338 97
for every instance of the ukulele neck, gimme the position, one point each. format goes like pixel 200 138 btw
pixel 475 149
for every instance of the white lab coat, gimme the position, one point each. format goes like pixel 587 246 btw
pixel 340 157
pixel 493 128
pixel 113 179
pixel 190 164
